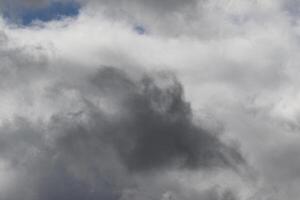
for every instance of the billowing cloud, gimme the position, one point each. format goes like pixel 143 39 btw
pixel 125 128
pixel 200 101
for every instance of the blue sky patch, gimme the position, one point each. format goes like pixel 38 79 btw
pixel 139 29
pixel 54 11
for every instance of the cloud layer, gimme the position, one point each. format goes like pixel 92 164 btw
pixel 143 100
pixel 125 129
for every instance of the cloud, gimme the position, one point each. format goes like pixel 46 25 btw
pixel 139 134
pixel 125 128
pixel 159 126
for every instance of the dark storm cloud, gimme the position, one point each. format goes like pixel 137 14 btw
pixel 153 127
pixel 143 125
pixel 158 126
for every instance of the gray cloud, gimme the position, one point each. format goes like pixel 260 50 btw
pixel 156 127
pixel 99 152
pixel 109 134
pixel 164 7
pixel 165 15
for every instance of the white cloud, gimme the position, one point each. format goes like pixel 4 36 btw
pixel 238 62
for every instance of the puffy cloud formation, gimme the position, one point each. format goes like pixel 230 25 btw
pixel 145 100
pixel 119 130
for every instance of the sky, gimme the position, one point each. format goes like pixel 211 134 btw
pixel 149 99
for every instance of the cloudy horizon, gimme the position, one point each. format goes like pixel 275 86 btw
pixel 149 100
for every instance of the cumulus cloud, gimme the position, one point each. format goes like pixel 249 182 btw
pixel 125 128
pixel 201 101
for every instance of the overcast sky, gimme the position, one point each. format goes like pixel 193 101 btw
pixel 149 100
